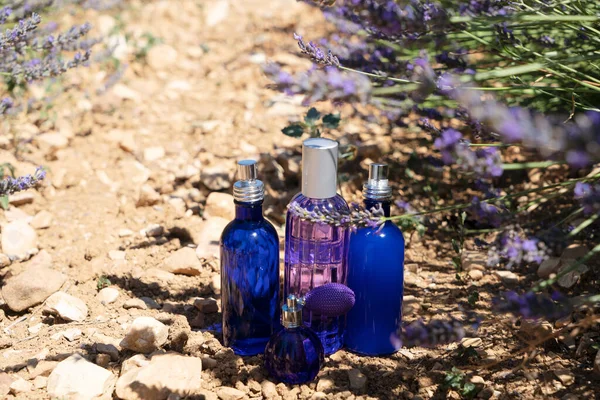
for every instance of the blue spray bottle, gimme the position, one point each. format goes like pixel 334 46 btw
pixel 375 274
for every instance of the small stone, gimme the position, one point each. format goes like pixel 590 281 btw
pixel 127 142
pixel 209 363
pixel 68 307
pixel 18 238
pixel 77 378
pixel 358 380
pixel 116 255
pixel 216 284
pixel 206 306
pixel 318 396
pixel 109 349
pixel 325 384
pixel 4 260
pixel 229 393
pixel 134 362
pixel 125 92
pixel 42 368
pixel 269 390
pixel 19 386
pixel 547 267
pixel 40 382
pixel 565 376
pixel 108 295
pixel 151 303
pixel 471 342
pixel 154 153
pixel 153 230
pixel 51 142
pixel 35 328
pixel 5 381
pixel 147 196
pixel 215 178
pixel 571 278
pixel 574 251
pixel 72 334
pixel 216 12
pixel 125 232
pixel 43 259
pixel 102 360
pixel 163 374
pixel 42 220
pixel 183 261
pixel 220 205
pixel 145 335
pixel 135 303
pixel 161 57
pixel 31 287
pixel 508 277
pixel 198 322
pixel 21 198
pixel 475 274
pixel 478 380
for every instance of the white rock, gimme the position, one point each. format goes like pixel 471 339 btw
pixel 220 205
pixel 18 238
pixel 21 198
pixel 153 230
pixel 215 177
pixel 75 378
pixel 108 295
pixel 565 376
pixel 475 274
pixel 507 277
pixel 325 384
pixel 206 306
pixel 40 382
pixel 35 328
pixel 358 380
pixel 4 260
pixel 42 220
pixel 547 267
pixel 184 261
pixel 51 142
pixel 123 91
pixel 162 57
pixel 164 374
pixel 154 153
pixel 135 303
pixel 72 334
pixel 125 232
pixel 31 287
pixel 68 307
pixel 215 284
pixel 229 393
pixel 116 255
pixel 216 12
pixel 269 390
pixel 145 335
pixel 147 196
pixel 134 362
pixel 20 385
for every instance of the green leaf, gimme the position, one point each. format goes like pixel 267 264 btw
pixel 455 246
pixel 463 217
pixel 331 121
pixel 4 202
pixel 293 130
pixel 312 116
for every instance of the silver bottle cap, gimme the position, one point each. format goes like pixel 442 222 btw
pixel 291 315
pixel 248 188
pixel 377 187
pixel 319 168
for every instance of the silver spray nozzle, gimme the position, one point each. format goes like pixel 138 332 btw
pixel 248 188
pixel 377 187
pixel 291 315
pixel 319 168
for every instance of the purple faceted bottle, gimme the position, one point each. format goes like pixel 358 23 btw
pixel 315 253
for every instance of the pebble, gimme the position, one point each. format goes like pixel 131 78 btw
pixel 18 238
pixel 151 303
pixel 125 232
pixel 147 196
pixel 220 205
pixel 102 360
pixel 229 393
pixel 145 335
pixel 77 378
pixel 69 308
pixel 154 153
pixel 72 334
pixel 184 262
pixel 508 277
pixel 216 12
pixel 565 376
pixel 20 385
pixel 31 287
pixel 40 382
pixel 318 396
pixel 21 198
pixel 215 284
pixel 206 306
pixel 165 373
pixel 208 363
pixel 35 328
pixel 471 342
pixel 547 267
pixel 574 251
pixel 42 368
pixel 153 230
pixel 116 255
pixel 161 57
pixel 108 349
pixel 51 142
pixel 137 361
pixel 108 295
pixel 5 381
pixel 43 259
pixel 135 303
pixel 358 380
pixel 42 220
pixel 571 278
pixel 215 178
pixel 325 384
pixel 209 236
pixel 475 274
pixel 4 260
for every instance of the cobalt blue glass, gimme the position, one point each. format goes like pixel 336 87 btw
pixel 249 280
pixel 295 354
pixel 376 275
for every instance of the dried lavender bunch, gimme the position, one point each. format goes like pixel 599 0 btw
pixel 10 185
pixel 358 216
pixel 533 305
pixel 436 332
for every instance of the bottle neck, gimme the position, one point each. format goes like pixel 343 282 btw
pixel 385 205
pixel 249 211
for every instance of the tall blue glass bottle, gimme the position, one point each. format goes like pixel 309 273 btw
pixel 249 269
pixel 376 275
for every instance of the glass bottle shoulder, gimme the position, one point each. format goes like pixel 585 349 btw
pixel 335 203
pixel 390 232
pixel 251 230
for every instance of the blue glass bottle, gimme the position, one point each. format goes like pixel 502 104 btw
pixel 249 269
pixel 376 275
pixel 295 354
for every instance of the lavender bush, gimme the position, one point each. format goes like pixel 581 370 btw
pixel 515 75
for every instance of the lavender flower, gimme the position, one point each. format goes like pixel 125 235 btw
pixel 12 185
pixel 533 306
pixel 436 332
pixel 485 213
pixel 5 105
pixel 358 216
pixel 513 248
pixel 316 53
pixel 589 197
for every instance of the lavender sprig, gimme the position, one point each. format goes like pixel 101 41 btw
pixel 358 216
pixel 12 185
pixel 514 248
pixel 436 332
pixel 533 305
pixel 316 53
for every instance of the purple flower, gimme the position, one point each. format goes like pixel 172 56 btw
pixel 10 185
pixel 316 53
pixel 358 216
pixel 589 197
pixel 485 213
pixel 436 332
pixel 513 248
pixel 533 306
